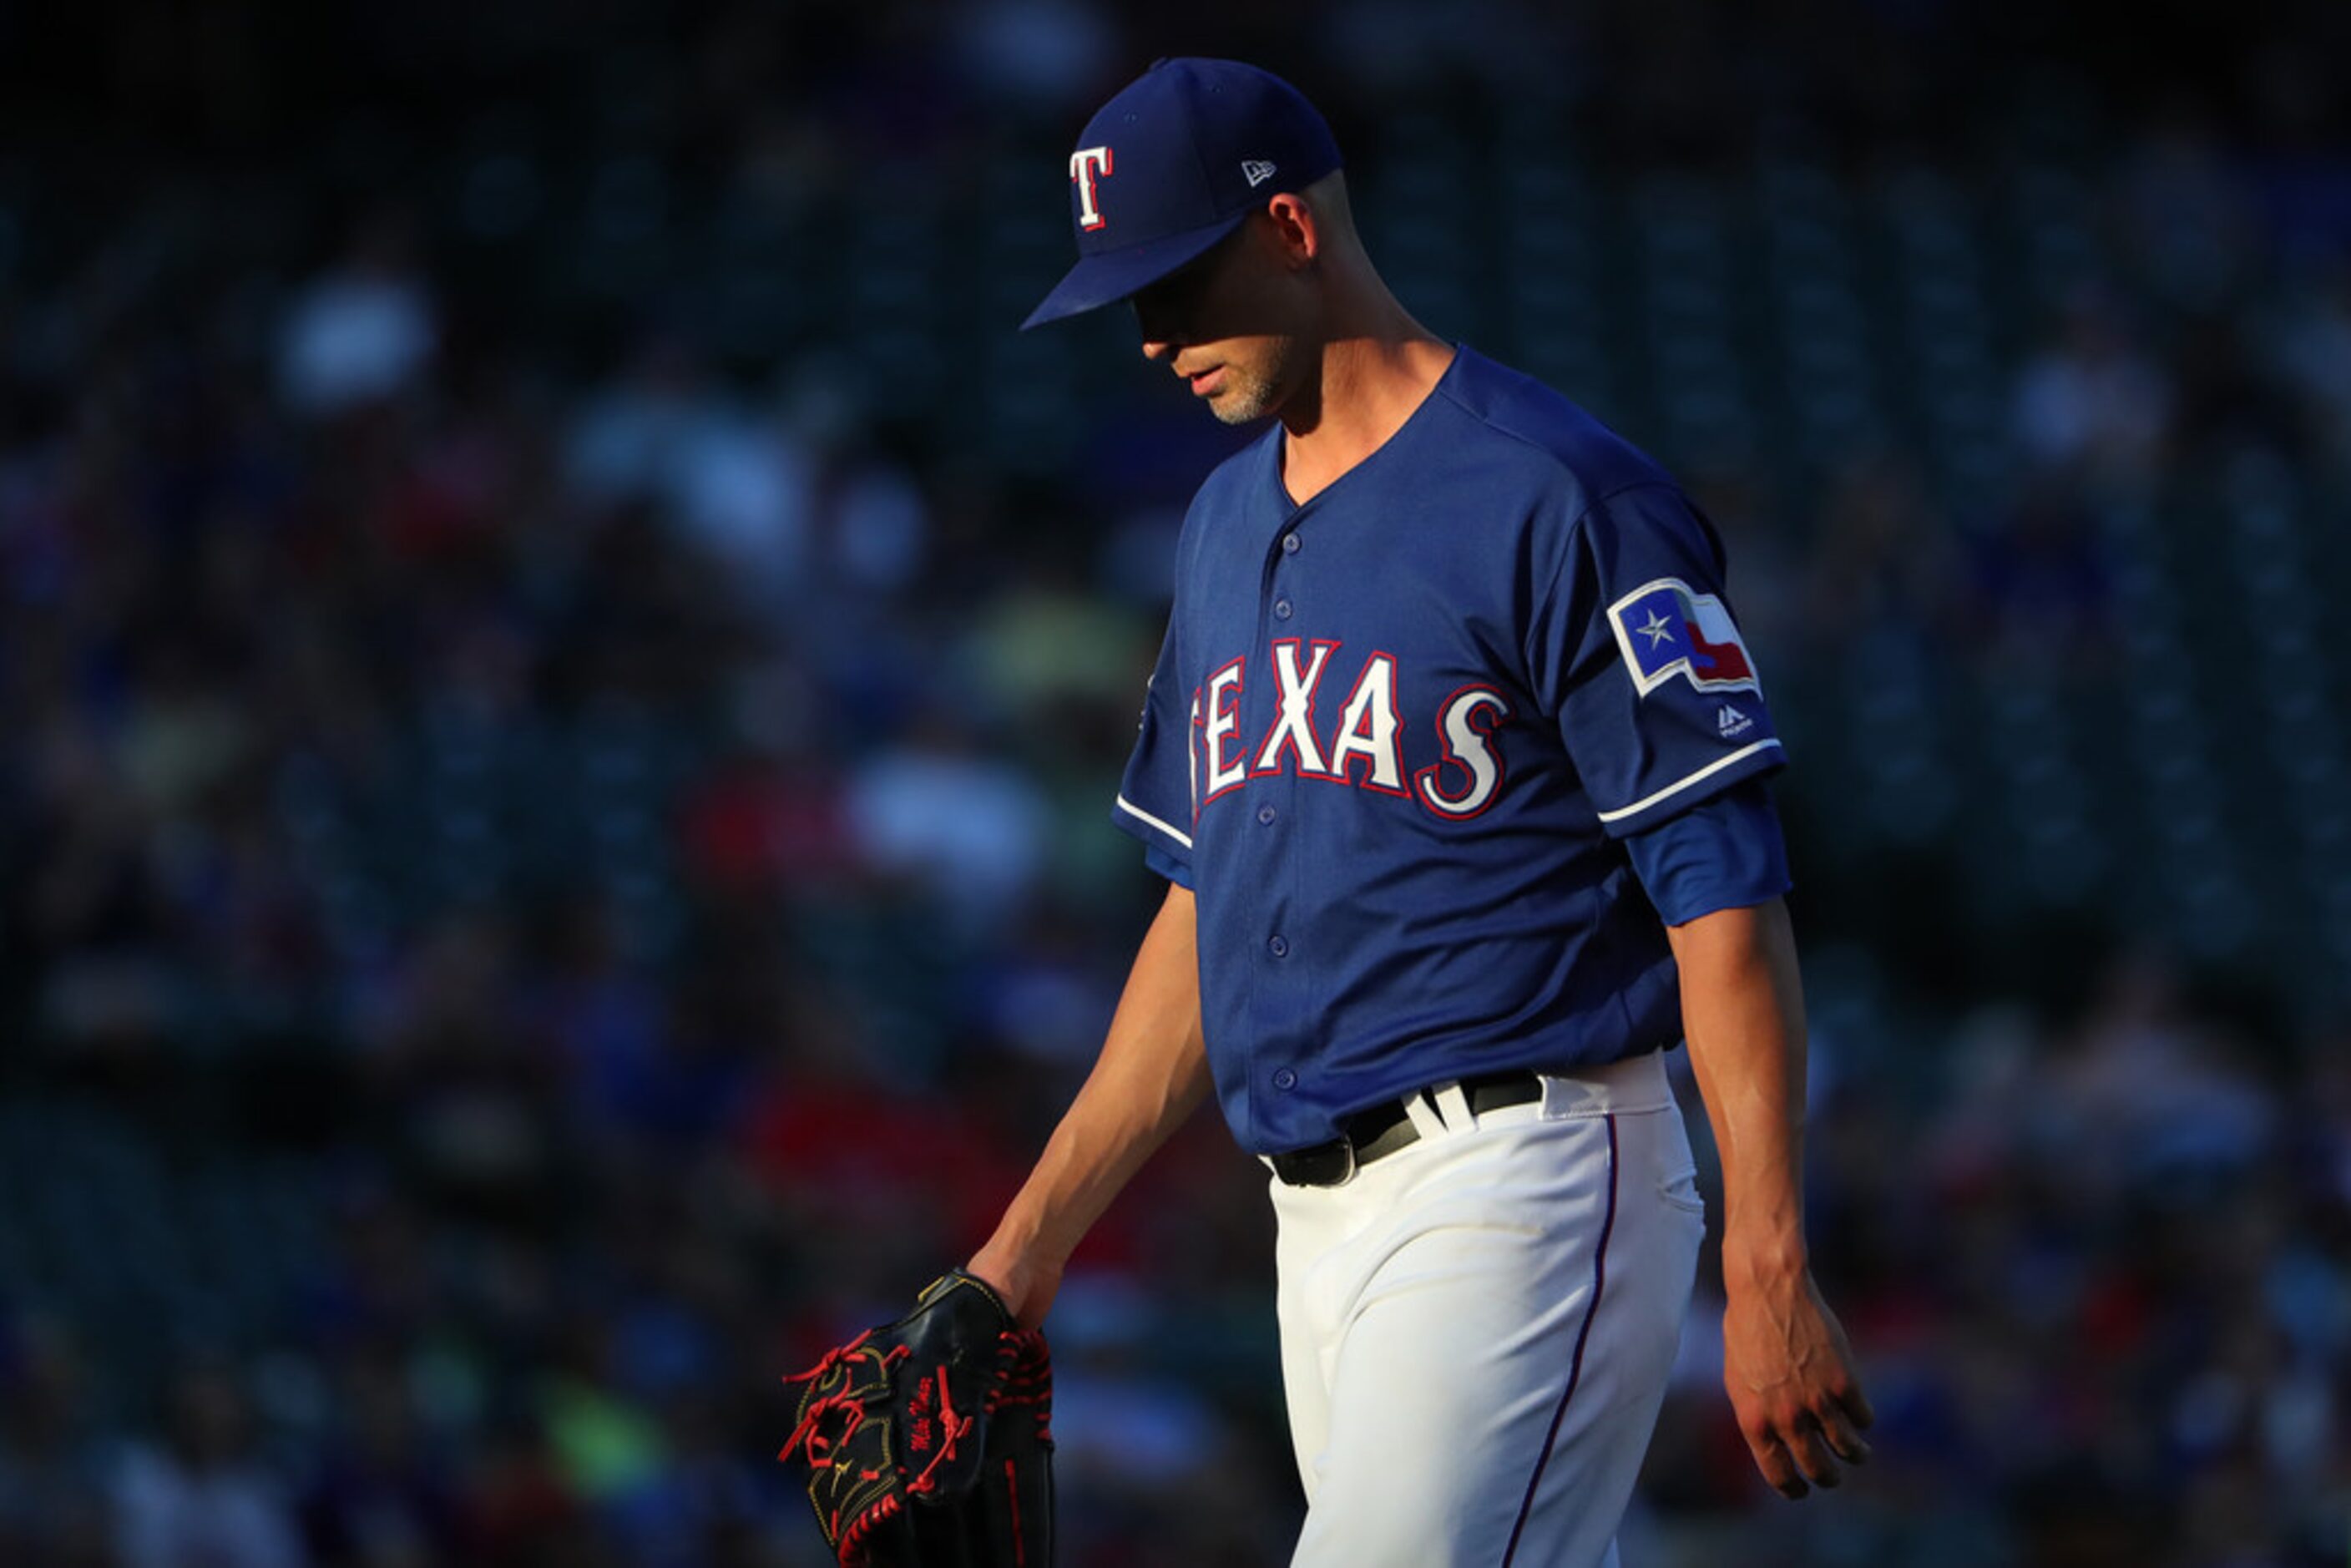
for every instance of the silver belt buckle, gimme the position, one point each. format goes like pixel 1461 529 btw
pixel 1311 1175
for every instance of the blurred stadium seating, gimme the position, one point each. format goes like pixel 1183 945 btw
pixel 564 666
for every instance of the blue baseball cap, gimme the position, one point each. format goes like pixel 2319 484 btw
pixel 1172 166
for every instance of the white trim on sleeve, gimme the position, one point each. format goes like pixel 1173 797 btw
pixel 1148 821
pixel 1645 802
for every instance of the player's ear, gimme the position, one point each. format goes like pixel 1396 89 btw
pixel 1297 232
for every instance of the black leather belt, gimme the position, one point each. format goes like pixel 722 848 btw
pixel 1381 1130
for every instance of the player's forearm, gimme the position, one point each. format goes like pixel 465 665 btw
pixel 1152 1074
pixel 1743 1018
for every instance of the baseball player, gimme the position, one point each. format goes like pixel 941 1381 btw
pixel 1453 760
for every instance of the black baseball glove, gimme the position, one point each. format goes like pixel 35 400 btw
pixel 928 1442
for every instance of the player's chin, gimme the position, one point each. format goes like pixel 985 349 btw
pixel 1240 402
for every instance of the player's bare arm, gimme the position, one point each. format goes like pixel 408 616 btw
pixel 1152 1074
pixel 1786 1364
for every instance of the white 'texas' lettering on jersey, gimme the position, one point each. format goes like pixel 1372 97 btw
pixel 1191 756
pixel 1370 729
pixel 1464 727
pixel 1464 779
pixel 1223 723
pixel 1294 728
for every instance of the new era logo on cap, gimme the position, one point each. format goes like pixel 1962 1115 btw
pixel 1173 165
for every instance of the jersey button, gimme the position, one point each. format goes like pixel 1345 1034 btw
pixel 1278 947
pixel 1282 609
pixel 1290 544
pixel 1284 1079
pixel 1265 813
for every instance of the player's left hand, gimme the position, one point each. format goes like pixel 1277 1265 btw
pixel 1791 1377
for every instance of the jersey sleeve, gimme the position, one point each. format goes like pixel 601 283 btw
pixel 1155 795
pixel 1635 651
pixel 1726 853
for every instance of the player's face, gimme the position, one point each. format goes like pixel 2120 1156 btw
pixel 1220 323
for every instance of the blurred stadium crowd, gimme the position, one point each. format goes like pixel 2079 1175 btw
pixel 564 668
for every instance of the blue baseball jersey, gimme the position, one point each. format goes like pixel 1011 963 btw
pixel 1400 740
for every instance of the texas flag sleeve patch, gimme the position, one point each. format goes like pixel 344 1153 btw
pixel 1667 629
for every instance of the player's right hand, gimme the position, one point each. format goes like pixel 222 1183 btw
pixel 1027 1283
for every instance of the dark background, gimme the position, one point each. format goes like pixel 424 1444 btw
pixel 563 667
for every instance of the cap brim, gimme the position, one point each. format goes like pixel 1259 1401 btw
pixel 1103 279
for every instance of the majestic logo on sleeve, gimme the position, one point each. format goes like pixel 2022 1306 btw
pixel 1666 628
pixel 1087 165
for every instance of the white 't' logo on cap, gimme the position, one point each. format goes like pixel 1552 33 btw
pixel 1086 165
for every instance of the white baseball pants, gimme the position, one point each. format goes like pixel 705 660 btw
pixel 1476 1331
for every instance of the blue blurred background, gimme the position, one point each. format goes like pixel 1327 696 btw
pixel 563 667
